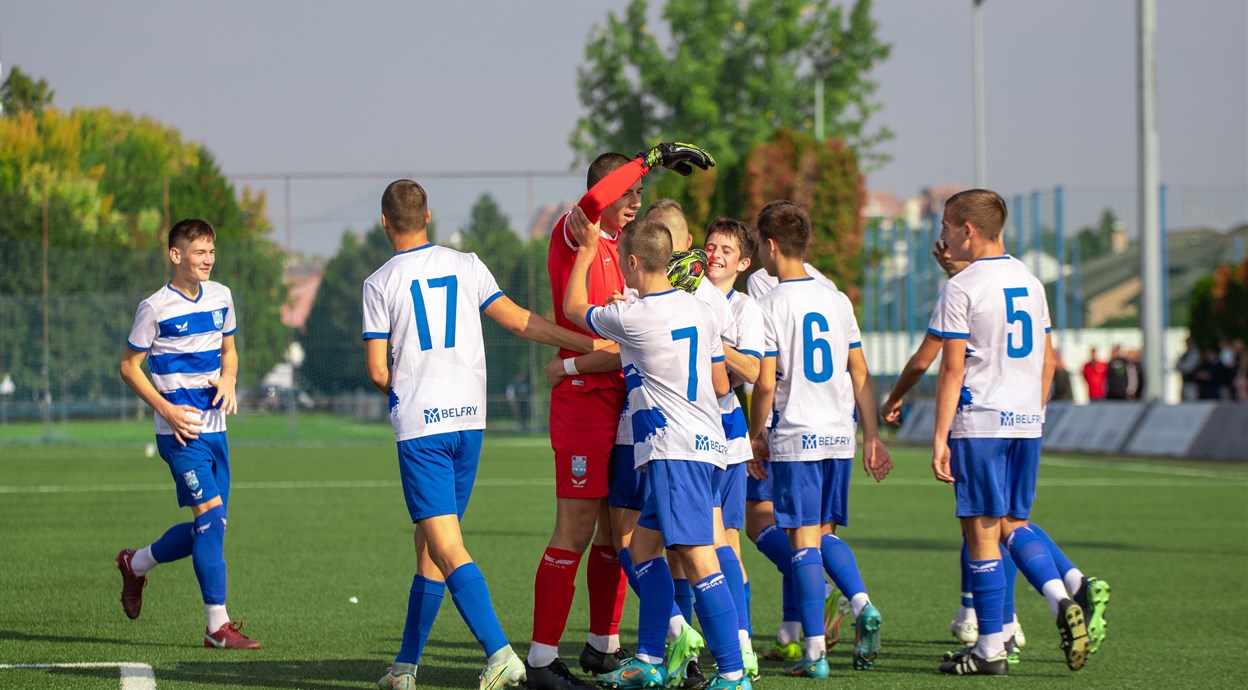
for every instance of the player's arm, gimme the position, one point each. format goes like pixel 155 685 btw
pixel 1046 374
pixel 599 361
pixel 131 370
pixel 719 378
pixel 576 304
pixel 948 390
pixel 875 458
pixel 760 411
pixel 743 366
pixel 377 360
pixel 227 382
pixel 536 327
pixel 910 376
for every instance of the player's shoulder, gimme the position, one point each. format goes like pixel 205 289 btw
pixel 216 290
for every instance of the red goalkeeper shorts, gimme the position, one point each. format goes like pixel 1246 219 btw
pixel 582 433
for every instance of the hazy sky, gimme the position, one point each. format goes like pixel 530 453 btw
pixel 403 86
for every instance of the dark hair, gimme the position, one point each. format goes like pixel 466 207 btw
pixel 604 165
pixel 649 241
pixel 188 230
pixel 746 239
pixel 983 208
pixel 405 206
pixel 788 225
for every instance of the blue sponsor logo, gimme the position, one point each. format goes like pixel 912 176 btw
pixel 815 441
pixel 1009 418
pixel 433 415
pixel 704 442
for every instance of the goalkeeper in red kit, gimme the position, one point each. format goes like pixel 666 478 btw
pixel 584 414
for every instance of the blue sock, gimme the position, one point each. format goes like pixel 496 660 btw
pixel 176 543
pixel 1011 577
pixel 988 588
pixel 208 555
pixel 630 571
pixel 775 545
pixel 841 565
pixel 791 607
pixel 1032 557
pixel 684 599
pixel 749 597
pixel 730 566
pixel 654 582
pixel 422 609
pixel 1064 564
pixel 719 618
pixel 808 582
pixel 472 598
pixel 965 567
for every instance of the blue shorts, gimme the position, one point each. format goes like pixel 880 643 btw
pixel 200 469
pixel 627 485
pixel 679 503
pixel 729 487
pixel 438 472
pixel 812 492
pixel 760 489
pixel 994 477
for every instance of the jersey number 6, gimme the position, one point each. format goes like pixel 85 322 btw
pixel 816 351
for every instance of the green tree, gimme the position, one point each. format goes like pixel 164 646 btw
pixel 21 93
pixel 1219 305
pixel 1098 240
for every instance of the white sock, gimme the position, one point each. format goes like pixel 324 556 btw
pixel 743 636
pixel 217 616
pixel 1073 579
pixel 142 561
pixel 815 647
pixel 732 675
pixel 859 602
pixel 655 660
pixel 603 643
pixel 1007 630
pixel 542 654
pixel 1054 591
pixel 990 645
pixel 967 613
pixel 674 625
pixel 790 631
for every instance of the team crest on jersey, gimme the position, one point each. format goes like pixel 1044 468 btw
pixel 218 318
pixel 192 483
pixel 580 467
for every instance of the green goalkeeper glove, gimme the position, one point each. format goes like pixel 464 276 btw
pixel 685 270
pixel 678 156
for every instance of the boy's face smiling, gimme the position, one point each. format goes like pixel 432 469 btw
pixel 193 263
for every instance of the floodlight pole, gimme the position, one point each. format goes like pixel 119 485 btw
pixel 977 59
pixel 1152 302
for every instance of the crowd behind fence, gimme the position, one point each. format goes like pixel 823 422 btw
pixel 67 369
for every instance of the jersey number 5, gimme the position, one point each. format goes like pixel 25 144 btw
pixel 451 285
pixel 1019 316
pixel 816 351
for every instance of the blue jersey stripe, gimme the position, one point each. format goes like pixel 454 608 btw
pixel 856 343
pixel 199 398
pixel 369 335
pixel 952 335
pixel 193 323
pixel 750 353
pixel 734 423
pixel 717 359
pixel 490 301
pixel 186 362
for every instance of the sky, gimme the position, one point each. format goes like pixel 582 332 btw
pixel 381 88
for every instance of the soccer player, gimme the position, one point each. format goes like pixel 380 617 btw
pixel 811 337
pixel 424 349
pixel 188 329
pixel 678 437
pixel 996 367
pixel 761 282
pixel 584 416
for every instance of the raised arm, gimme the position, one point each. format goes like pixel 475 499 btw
pixel 535 327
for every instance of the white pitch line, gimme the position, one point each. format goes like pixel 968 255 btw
pixel 134 676
pixel 1074 483
pixel 253 486
pixel 1146 468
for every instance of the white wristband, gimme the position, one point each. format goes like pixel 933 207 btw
pixel 569 366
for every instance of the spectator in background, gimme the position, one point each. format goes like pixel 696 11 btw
pixel 1135 376
pixel 1116 375
pixel 1061 379
pixel 1094 374
pixel 1209 377
pixel 1187 366
pixel 519 392
pixel 1239 381
pixel 1228 361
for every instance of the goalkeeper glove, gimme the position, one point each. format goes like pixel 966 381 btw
pixel 678 156
pixel 685 270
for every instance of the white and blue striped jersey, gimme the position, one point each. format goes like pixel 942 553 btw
pixel 761 282
pixel 427 302
pixel 669 341
pixel 182 339
pixel 1000 309
pixel 810 329
pixel 746 337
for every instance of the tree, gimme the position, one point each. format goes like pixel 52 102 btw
pixel 21 93
pixel 1219 305
pixel 1095 241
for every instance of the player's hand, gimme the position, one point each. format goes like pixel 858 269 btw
pixel 678 156
pixel 881 461
pixel 225 397
pixel 584 232
pixel 890 412
pixel 184 420
pixel 758 444
pixel 940 461
pixel 617 296
pixel 555 372
pixel 941 253
pixel 756 469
